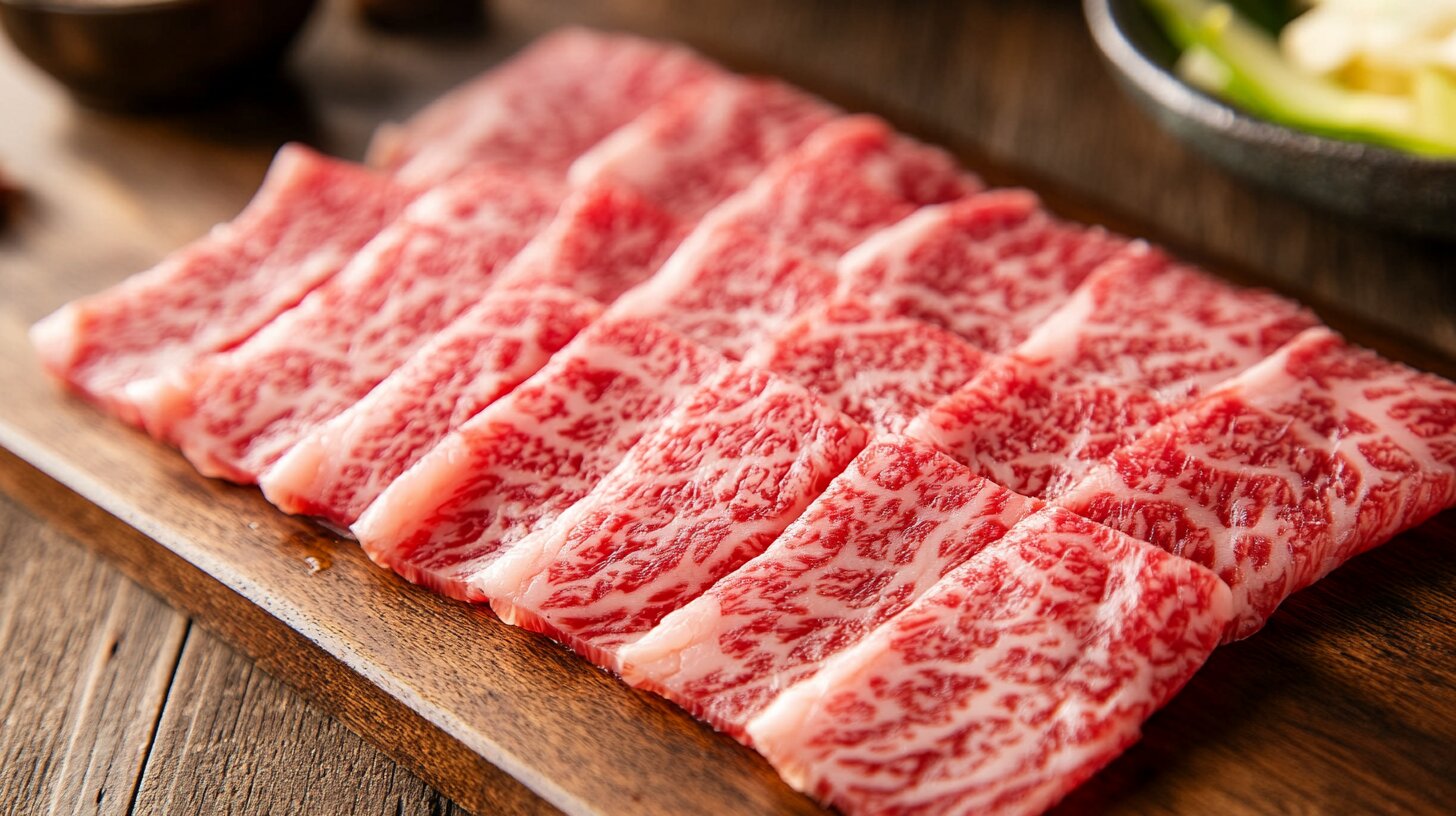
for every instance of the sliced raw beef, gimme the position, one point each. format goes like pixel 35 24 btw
pixel 519 463
pixel 729 288
pixel 538 112
pixel 1012 681
pixel 1302 462
pixel 605 240
pixel 989 267
pixel 704 143
pixel 1139 339
pixel 710 489
pixel 344 464
pixel 895 522
pixel 638 191
pixel 234 414
pixel 769 252
pixel 647 184
pixel 307 220
pixel 880 370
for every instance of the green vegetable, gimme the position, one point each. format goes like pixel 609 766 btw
pixel 1231 57
pixel 1270 15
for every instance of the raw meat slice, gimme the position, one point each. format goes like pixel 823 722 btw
pixel 895 522
pixel 851 178
pixel 880 370
pixel 1140 338
pixel 1304 461
pixel 605 240
pixel 647 184
pixel 519 463
pixel 729 288
pixel 637 192
pixel 989 267
pixel 338 469
pixel 310 216
pixel 234 414
pixel 1011 682
pixel 541 110
pixel 710 489
pixel 704 143
pixel 769 252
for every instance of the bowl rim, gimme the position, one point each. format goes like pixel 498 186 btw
pixel 1170 92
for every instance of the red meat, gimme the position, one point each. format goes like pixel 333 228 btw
pixel 724 475
pixel 307 220
pixel 1319 453
pixel 881 370
pixel 989 267
pixel 1008 684
pixel 538 112
pixel 769 252
pixel 1139 339
pixel 895 522
pixel 339 468
pixel 518 464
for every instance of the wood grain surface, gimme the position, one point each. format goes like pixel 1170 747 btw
pixel 113 701
pixel 85 720
pixel 59 518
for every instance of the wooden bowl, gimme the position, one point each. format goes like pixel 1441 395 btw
pixel 1415 194
pixel 152 53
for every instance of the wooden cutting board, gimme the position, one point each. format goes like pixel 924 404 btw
pixel 1344 704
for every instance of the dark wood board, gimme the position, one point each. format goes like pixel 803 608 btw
pixel 1345 704
pixel 113 702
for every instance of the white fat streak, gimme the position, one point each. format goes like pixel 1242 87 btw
pixel 659 654
pixel 57 338
pixel 652 296
pixel 1270 382
pixel 445 152
pixel 639 153
pixel 1259 387
pixel 298 472
pixel 416 494
pixel 891 245
pixel 1055 338
pixel 319 460
pixel 289 332
pixel 297 331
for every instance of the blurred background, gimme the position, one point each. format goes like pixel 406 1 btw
pixel 1018 85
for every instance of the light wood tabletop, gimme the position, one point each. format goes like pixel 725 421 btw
pixel 116 700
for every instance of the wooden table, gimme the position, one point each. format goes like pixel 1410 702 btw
pixel 113 700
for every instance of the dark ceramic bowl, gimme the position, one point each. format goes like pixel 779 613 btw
pixel 152 53
pixel 1404 191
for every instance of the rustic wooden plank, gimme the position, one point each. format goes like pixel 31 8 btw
pixel 278 649
pixel 230 741
pixel 87 661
